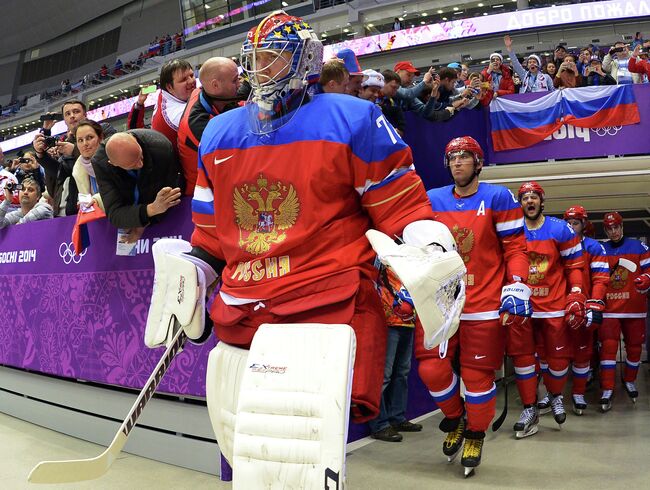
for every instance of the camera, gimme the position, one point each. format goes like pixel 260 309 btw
pixel 50 141
pixel 52 116
pixel 24 160
pixel 617 50
pixel 12 187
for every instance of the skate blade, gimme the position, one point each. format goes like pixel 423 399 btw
pixel 544 411
pixel 469 471
pixel 578 411
pixel 605 408
pixel 522 434
pixel 450 459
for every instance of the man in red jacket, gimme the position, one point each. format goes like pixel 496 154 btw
pixel 638 65
pixel 499 76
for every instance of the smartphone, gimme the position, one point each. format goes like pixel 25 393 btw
pixel 149 89
pixel 52 116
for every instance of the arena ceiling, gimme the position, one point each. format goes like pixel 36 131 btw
pixel 30 23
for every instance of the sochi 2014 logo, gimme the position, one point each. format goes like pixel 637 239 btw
pixel 66 252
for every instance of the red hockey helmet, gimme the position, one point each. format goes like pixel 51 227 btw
pixel 531 186
pixel 464 143
pixel 575 212
pixel 612 219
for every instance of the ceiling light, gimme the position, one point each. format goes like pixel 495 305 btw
pixel 423 14
pixel 455 9
pixel 422 22
pixel 400 19
pixel 207 6
pixel 323 35
pixel 480 4
pixel 285 4
pixel 485 13
pixel 352 33
pixel 501 5
pixel 99 99
pixel 440 11
pixel 444 18
pixel 346 30
pixel 371 25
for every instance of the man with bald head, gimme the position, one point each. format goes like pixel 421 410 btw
pixel 139 178
pixel 219 86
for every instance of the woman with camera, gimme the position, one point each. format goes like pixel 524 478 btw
pixel 567 74
pixel 88 135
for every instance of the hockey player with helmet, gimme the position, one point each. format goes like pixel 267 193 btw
pixel 555 256
pixel 595 278
pixel 289 185
pixel 487 224
pixel 627 307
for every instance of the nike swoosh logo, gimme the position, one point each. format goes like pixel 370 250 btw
pixel 218 161
pixel 582 347
pixel 559 348
pixel 479 357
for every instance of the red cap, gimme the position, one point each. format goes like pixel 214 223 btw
pixel 612 219
pixel 406 65
pixel 575 212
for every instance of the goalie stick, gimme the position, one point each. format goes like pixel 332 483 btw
pixel 88 469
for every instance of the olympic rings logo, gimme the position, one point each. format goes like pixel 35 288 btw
pixel 607 130
pixel 66 252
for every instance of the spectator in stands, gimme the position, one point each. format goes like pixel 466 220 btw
pixel 407 95
pixel 178 41
pixel 371 85
pixel 638 66
pixel 596 75
pixel 550 69
pixel 103 72
pixel 532 79
pixel 499 77
pixel 177 83
pixel 391 110
pixel 334 77
pixel 117 71
pixel 567 74
pixel 138 175
pixel 88 135
pixel 219 90
pixel 397 25
pixel 58 161
pixel 616 64
pixel 460 82
pixel 354 69
pixel 31 209
pixel 584 59
pixel 637 41
pixel 559 55
pixel 27 167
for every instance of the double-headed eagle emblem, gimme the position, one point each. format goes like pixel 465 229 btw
pixel 464 238
pixel 262 211
pixel 538 267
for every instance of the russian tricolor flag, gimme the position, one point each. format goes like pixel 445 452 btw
pixel 523 124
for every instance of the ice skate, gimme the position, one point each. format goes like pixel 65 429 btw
pixel 557 406
pixel 579 404
pixel 453 443
pixel 632 392
pixel 606 401
pixel 527 425
pixel 472 451
pixel 544 405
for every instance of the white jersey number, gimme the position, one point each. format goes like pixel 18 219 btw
pixel 381 121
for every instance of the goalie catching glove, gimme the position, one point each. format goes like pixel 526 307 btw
pixel 179 289
pixel 431 270
pixel 515 304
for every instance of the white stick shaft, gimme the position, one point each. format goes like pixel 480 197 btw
pixel 88 469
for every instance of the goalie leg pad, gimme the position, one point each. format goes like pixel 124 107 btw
pixel 292 416
pixel 226 366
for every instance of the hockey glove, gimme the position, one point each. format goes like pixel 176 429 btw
pixel 515 304
pixel 595 308
pixel 575 312
pixel 642 283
